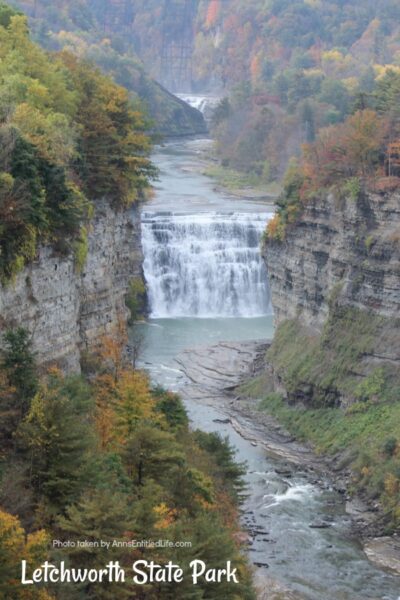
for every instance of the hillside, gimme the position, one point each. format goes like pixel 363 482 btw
pixel 70 137
pixel 96 34
pixel 287 69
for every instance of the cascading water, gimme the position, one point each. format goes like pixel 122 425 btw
pixel 205 265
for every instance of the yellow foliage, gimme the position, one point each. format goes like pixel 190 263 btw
pixel 351 84
pixel 392 485
pixel 332 56
pixel 365 471
pixel 14 547
pixel 381 70
pixel 165 516
pixel 275 228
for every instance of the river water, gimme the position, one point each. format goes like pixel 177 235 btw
pixel 207 283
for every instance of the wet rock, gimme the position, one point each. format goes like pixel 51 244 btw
pixel 320 525
pixel 283 472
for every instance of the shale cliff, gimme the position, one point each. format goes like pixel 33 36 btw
pixel 335 283
pixel 67 312
pixel 342 249
pixel 332 373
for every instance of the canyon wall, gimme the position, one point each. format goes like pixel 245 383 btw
pixel 347 250
pixel 68 312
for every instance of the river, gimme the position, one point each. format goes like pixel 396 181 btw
pixel 207 283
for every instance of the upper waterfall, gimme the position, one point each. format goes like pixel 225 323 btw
pixel 205 265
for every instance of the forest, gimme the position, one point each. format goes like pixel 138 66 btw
pixel 106 456
pixel 69 135
pixel 292 70
pixel 101 33
pixel 284 70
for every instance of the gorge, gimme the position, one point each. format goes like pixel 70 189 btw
pixel 200 295
pixel 285 499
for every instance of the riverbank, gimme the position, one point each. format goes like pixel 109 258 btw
pixel 231 377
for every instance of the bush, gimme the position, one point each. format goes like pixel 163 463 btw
pixel 136 299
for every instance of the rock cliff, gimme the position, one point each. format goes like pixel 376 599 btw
pixel 347 249
pixel 68 312
pixel 335 285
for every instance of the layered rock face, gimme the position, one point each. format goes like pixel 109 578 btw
pixel 347 250
pixel 68 312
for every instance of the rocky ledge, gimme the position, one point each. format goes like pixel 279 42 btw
pixel 346 249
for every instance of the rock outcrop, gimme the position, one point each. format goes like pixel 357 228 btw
pixel 346 249
pixel 68 312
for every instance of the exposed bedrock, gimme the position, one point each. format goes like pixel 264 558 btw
pixel 68 312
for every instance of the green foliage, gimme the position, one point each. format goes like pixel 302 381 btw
pixel 136 299
pixel 81 249
pixel 67 133
pixel 390 446
pixel 57 438
pixel 19 365
pixel 372 387
pixel 289 204
pixel 171 406
pixel 318 372
pixel 6 13
pixel 230 472
pixel 111 459
pixel 329 363
pixel 352 188
pixel 78 26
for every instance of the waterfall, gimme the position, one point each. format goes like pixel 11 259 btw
pixel 205 265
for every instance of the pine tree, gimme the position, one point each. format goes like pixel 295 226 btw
pixel 57 439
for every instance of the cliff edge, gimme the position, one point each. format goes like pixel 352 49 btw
pixel 66 311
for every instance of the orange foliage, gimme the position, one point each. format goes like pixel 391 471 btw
pixel 345 151
pixel 255 67
pixel 14 547
pixel 111 350
pixel 275 229
pixel 212 13
pixel 121 404
pixel 166 516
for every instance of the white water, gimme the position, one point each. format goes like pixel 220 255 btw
pixel 205 265
pixel 205 104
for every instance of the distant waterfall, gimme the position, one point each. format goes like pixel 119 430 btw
pixel 205 265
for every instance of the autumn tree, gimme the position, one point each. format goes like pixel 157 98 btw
pixel 57 440
pixel 16 546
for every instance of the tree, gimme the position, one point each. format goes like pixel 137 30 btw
pixel 102 513
pixel 6 12
pixel 114 148
pixel 151 454
pixel 20 368
pixel 57 438
pixel 15 546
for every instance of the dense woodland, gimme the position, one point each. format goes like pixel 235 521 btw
pixel 293 69
pixel 69 136
pixel 105 456
pixel 285 69
pixel 101 33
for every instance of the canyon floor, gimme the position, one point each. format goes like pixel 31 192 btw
pixel 215 373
